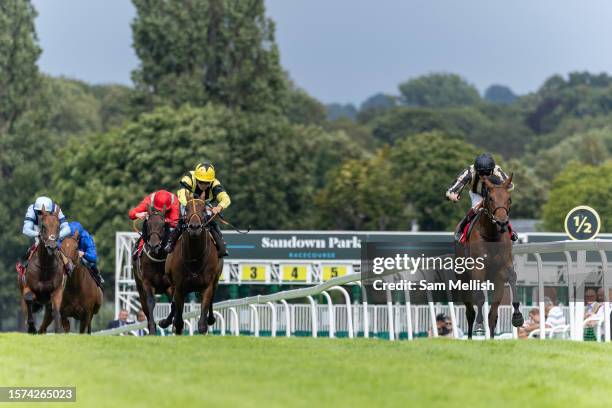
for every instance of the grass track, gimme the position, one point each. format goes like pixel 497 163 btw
pixel 265 372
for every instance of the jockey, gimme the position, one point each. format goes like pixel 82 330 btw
pixel 201 183
pixel 87 250
pixel 161 200
pixel 31 228
pixel 484 165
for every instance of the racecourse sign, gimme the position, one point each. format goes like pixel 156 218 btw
pixel 315 245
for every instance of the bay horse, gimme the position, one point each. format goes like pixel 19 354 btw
pixel 194 266
pixel 150 265
pixel 82 296
pixel 44 280
pixel 490 240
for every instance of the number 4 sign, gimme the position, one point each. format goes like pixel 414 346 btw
pixel 582 223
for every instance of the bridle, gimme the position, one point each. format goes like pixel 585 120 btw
pixel 203 225
pixel 491 214
pixel 154 233
pixel 51 239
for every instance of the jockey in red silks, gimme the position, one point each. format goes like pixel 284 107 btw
pixel 161 200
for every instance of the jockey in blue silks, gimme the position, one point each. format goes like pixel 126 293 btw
pixel 87 249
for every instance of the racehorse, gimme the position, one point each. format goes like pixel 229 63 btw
pixel 150 268
pixel 44 278
pixel 488 238
pixel 193 266
pixel 82 297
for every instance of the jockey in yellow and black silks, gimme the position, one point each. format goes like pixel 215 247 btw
pixel 202 183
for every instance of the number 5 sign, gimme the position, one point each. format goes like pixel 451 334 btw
pixel 582 223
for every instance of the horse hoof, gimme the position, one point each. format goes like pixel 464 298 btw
pixel 203 330
pixel 517 319
pixel 32 329
pixel 211 320
pixel 164 323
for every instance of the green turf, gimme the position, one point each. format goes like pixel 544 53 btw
pixel 266 372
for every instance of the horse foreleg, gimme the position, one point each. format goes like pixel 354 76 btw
pixel 470 316
pixel 66 324
pixel 56 304
pixel 85 321
pixel 206 315
pixel 47 318
pixel 164 323
pixel 28 298
pixel 517 316
pixel 178 304
pixel 493 318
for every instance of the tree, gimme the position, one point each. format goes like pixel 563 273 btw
pixel 362 195
pixel 579 184
pixel 200 51
pixel 499 94
pixel 375 105
pixel 424 166
pixel 337 111
pixel 438 90
pixel 19 52
pixel 303 108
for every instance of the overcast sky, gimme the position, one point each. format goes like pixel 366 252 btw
pixel 347 50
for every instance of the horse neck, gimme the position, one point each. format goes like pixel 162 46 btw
pixel 194 248
pixel 488 228
pixel 47 262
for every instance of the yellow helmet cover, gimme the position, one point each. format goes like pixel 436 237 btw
pixel 204 172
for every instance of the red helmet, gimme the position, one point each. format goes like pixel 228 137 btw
pixel 161 199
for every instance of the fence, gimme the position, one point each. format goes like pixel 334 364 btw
pixel 272 314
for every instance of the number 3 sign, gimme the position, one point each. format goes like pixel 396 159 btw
pixel 582 223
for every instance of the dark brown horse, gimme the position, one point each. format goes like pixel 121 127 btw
pixel 150 265
pixel 194 266
pixel 489 239
pixel 44 277
pixel 82 297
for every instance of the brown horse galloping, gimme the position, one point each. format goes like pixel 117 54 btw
pixel 150 265
pixel 82 297
pixel 194 266
pixel 44 277
pixel 491 241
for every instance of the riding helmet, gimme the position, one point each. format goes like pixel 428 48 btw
pixel 205 172
pixel 484 164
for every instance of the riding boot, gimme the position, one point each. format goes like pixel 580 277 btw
pixel 174 235
pixel 97 275
pixel 221 246
pixel 468 217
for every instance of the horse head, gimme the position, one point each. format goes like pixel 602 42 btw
pixel 49 229
pixel 195 214
pixel 70 247
pixel 155 229
pixel 497 201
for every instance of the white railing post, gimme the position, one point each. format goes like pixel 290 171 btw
pixel 313 314
pixel 604 284
pixel 255 320
pixel 221 321
pixel 273 309
pixel 236 327
pixel 541 296
pixel 287 318
pixel 349 314
pixel 408 313
pixel 330 311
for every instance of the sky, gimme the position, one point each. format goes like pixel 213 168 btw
pixel 347 50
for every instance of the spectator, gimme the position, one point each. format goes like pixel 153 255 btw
pixel 449 325
pixel 121 321
pixel 443 331
pixel 140 317
pixel 554 314
pixel 591 307
pixel 532 323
